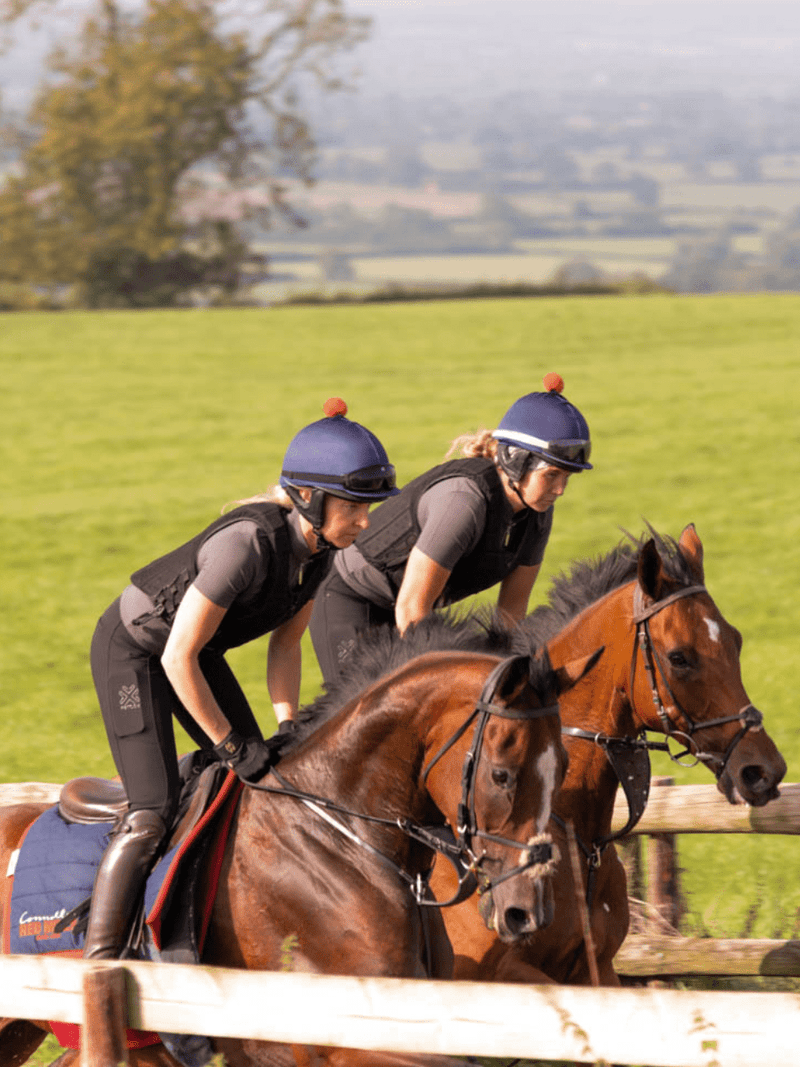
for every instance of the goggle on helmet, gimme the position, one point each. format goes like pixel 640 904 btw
pixel 337 457
pixel 546 425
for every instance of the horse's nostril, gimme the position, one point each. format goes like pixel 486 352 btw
pixel 753 777
pixel 517 920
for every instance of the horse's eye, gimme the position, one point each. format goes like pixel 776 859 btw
pixel 679 660
pixel 501 777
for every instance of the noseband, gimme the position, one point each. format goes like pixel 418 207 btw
pixel 749 716
pixel 467 829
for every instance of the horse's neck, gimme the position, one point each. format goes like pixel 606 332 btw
pixel 362 766
pixel 598 704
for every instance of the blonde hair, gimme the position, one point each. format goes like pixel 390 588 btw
pixel 478 445
pixel 276 494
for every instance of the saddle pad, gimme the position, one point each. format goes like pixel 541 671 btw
pixel 170 892
pixel 53 872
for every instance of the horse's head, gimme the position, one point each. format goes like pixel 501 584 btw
pixel 688 679
pixel 512 762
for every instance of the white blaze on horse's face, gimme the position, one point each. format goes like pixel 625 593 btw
pixel 547 770
pixel 713 629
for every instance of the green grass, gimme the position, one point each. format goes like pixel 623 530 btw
pixel 124 433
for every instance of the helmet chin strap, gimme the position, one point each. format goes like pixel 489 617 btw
pixel 522 500
pixel 323 544
pixel 313 511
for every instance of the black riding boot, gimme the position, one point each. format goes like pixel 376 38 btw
pixel 119 882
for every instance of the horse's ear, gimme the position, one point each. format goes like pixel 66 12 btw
pixel 692 551
pixel 515 674
pixel 576 669
pixel 650 570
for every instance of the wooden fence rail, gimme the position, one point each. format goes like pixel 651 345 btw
pixel 659 1027
pixel 697 809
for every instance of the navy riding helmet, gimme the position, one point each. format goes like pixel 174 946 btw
pixel 544 425
pixel 339 457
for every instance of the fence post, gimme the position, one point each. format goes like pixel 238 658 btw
pixel 663 890
pixel 105 1017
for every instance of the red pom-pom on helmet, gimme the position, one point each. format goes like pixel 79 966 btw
pixel 553 382
pixel 334 406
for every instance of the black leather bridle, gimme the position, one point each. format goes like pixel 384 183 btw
pixel 749 716
pixel 629 756
pixel 467 829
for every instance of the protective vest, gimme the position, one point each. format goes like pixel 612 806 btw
pixel 394 529
pixel 166 579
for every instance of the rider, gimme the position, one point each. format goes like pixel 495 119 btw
pixel 159 650
pixel 457 529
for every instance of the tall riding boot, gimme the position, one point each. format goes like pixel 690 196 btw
pixel 119 882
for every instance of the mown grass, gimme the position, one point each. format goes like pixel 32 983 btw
pixel 124 433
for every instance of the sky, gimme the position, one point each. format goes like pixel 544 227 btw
pixel 461 48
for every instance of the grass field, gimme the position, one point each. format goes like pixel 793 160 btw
pixel 124 433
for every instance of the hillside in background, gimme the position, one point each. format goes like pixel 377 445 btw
pixel 527 140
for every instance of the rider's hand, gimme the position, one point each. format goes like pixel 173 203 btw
pixel 249 757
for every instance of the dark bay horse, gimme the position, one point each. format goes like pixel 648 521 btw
pixel 338 868
pixel 671 665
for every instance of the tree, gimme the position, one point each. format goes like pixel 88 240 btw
pixel 140 116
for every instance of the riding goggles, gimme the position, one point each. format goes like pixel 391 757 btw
pixel 575 451
pixel 380 479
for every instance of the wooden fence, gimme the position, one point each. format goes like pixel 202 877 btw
pixel 659 1027
pixel 696 809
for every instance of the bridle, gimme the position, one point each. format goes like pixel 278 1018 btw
pixel 467 829
pixel 629 756
pixel 455 847
pixel 749 716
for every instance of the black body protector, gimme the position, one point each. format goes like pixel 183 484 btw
pixel 394 530
pixel 166 579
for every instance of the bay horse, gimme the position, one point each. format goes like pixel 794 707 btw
pixel 332 850
pixel 670 665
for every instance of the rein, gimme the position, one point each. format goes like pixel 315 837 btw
pixel 748 716
pixel 440 839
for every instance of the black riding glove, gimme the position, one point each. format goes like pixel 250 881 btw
pixel 249 757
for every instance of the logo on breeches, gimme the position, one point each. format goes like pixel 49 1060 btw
pixel 129 699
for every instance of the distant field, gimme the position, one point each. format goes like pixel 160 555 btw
pixel 535 263
pixel 126 432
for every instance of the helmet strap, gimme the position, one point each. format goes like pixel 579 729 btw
pixel 313 511
pixel 522 500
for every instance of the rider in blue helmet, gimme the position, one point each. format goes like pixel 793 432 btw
pixel 459 528
pixel 542 429
pixel 159 650
pixel 335 457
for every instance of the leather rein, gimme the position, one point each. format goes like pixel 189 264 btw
pixel 457 848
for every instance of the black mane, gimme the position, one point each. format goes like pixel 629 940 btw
pixel 587 581
pixel 382 650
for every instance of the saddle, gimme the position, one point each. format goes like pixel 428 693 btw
pixel 87 801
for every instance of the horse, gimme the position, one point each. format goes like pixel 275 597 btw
pixel 331 851
pixel 670 665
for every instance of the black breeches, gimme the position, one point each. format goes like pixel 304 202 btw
pixel 338 617
pixel 138 702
